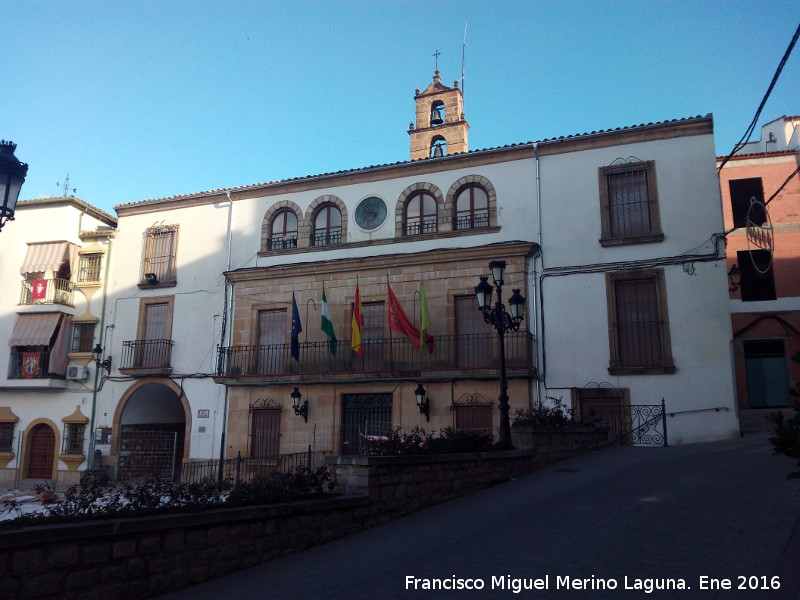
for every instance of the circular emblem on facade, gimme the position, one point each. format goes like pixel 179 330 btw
pixel 371 213
pixel 760 235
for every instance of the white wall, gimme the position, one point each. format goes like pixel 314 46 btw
pixel 575 306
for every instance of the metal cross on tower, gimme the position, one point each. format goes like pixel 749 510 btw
pixel 436 55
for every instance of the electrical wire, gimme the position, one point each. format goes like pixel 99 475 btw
pixel 752 125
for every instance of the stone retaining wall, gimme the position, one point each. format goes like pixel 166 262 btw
pixel 134 558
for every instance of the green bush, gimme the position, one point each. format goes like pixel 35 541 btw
pixel 554 415
pixel 787 431
pixel 96 498
pixel 418 441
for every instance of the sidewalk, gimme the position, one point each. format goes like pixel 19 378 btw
pixel 652 515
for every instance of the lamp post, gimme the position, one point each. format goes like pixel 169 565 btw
pixel 503 322
pixel 12 176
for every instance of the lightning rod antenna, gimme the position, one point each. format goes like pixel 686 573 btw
pixel 463 52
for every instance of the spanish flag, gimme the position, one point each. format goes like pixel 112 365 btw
pixel 356 324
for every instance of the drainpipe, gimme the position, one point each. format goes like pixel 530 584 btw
pixel 100 341
pixel 535 279
pixel 224 335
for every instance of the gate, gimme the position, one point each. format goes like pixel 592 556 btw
pixel 148 454
pixel 364 415
pixel 633 424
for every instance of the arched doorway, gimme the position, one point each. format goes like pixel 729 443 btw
pixel 41 452
pixel 152 432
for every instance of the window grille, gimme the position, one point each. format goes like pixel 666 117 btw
pixel 89 267
pixel 73 438
pixel 629 203
pixel 82 337
pixel 7 437
pixel 159 253
pixel 640 331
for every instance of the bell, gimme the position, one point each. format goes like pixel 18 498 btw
pixel 437 151
pixel 436 117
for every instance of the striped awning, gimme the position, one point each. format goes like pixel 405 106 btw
pixel 46 256
pixel 35 329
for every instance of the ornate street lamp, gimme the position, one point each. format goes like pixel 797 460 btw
pixel 12 176
pixel 423 403
pixel 301 410
pixel 502 321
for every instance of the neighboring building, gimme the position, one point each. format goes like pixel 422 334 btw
pixel 54 269
pixel 761 204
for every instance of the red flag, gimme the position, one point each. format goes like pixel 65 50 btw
pixel 399 322
pixel 39 289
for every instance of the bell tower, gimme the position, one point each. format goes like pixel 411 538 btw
pixel 440 128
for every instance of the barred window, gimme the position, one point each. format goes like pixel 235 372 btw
pixel 7 437
pixel 629 205
pixel 73 438
pixel 421 214
pixel 639 339
pixel 159 254
pixel 83 337
pixel 89 267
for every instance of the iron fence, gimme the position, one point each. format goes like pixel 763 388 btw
pixel 146 354
pixel 474 351
pixel 633 424
pixel 55 291
pixel 245 469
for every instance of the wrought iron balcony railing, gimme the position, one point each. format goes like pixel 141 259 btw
pixel 47 291
pixel 146 354
pixel 381 356
pixel 30 365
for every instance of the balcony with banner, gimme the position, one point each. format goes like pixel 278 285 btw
pixel 146 357
pixel 465 355
pixel 47 291
pixel 39 345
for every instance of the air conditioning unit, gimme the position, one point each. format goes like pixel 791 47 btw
pixel 77 372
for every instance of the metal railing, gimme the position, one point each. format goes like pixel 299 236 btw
pixel 16 370
pixel 282 243
pixel 55 291
pixel 474 221
pixel 245 469
pixel 458 352
pixel 146 354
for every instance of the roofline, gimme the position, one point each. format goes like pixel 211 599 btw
pixel 70 200
pixel 529 146
pixel 759 155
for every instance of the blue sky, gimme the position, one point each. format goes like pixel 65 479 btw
pixel 140 100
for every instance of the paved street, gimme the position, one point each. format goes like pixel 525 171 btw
pixel 724 510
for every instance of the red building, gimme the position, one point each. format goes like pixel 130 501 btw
pixel 761 205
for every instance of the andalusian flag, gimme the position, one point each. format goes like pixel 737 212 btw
pixel 327 324
pixel 425 340
pixel 356 324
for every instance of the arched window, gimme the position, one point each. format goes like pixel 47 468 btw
pixel 283 230
pixel 438 147
pixel 472 207
pixel 437 113
pixel 421 214
pixel 327 226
